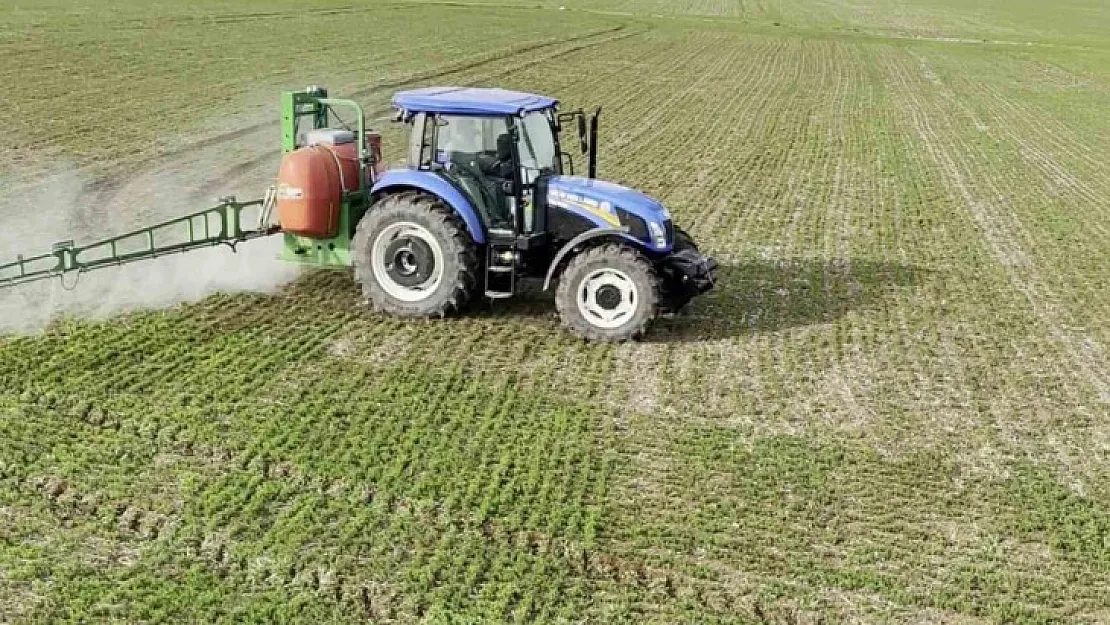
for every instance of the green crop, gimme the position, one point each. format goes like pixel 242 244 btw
pixel 893 408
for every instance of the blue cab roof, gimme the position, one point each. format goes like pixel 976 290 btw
pixel 470 101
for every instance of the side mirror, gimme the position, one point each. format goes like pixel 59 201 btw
pixel 592 163
pixel 582 140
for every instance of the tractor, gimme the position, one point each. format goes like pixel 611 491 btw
pixel 487 199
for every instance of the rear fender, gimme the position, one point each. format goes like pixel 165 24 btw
pixel 398 180
pixel 585 237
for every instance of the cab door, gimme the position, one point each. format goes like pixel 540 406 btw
pixel 537 154
pixel 466 146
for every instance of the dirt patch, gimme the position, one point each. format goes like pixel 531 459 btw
pixel 376 349
pixel 637 368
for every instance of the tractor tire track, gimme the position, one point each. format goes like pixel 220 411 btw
pixel 108 187
pixel 247 167
pixel 106 181
pixel 234 18
pixel 388 85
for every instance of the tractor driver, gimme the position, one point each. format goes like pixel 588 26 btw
pixel 500 166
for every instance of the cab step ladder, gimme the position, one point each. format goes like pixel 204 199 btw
pixel 501 257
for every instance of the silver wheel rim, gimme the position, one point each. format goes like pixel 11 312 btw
pixel 596 298
pixel 380 261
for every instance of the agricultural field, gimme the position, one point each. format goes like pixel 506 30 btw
pixel 895 407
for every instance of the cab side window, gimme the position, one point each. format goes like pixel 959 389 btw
pixel 420 142
pixel 466 140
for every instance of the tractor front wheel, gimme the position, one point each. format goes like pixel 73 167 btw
pixel 608 293
pixel 414 257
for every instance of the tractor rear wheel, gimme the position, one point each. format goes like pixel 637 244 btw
pixel 608 293
pixel 414 257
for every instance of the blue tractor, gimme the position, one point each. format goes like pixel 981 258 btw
pixel 487 199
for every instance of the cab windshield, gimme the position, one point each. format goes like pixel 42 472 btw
pixel 536 146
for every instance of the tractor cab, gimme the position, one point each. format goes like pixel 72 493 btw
pixel 494 145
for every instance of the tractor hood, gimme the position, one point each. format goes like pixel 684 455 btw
pixel 612 205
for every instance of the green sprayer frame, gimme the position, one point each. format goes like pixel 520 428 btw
pixel 336 251
pixel 222 224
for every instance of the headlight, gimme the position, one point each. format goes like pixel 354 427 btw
pixel 658 234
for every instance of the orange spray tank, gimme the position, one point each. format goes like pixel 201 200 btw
pixel 312 180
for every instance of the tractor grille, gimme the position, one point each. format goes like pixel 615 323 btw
pixel 669 227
